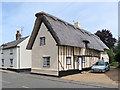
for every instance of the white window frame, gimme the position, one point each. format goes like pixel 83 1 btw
pixel 42 41
pixel 11 64
pixel 11 51
pixel 83 59
pixel 90 52
pixel 1 50
pixel 3 62
pixel 68 60
pixel 46 61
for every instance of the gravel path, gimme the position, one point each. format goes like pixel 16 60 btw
pixel 92 77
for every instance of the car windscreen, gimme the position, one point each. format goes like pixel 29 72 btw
pixel 100 63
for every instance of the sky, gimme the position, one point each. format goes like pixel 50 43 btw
pixel 93 16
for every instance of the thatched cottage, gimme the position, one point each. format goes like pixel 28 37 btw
pixel 59 46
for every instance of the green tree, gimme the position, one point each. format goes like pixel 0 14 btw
pixel 117 52
pixel 111 55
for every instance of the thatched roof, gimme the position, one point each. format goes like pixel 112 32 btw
pixel 65 33
pixel 13 43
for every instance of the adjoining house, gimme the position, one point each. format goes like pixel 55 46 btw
pixel 58 46
pixel 14 54
pixel 104 56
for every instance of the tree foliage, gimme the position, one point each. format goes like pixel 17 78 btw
pixel 111 55
pixel 117 52
pixel 106 37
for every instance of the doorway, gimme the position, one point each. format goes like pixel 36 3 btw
pixel 80 63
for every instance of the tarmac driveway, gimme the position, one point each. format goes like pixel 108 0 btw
pixel 113 74
pixel 110 77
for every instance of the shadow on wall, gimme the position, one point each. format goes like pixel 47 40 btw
pixel 68 72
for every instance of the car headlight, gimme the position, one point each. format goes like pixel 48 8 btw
pixel 92 67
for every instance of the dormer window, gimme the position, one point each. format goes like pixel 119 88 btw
pixel 90 52
pixel 86 43
pixel 42 41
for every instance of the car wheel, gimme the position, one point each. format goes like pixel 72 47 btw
pixel 103 70
pixel 109 69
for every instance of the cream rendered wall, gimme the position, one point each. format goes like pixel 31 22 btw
pixel 6 56
pixel 64 52
pixel 74 52
pixel 49 49
pixel 105 56
pixel 25 55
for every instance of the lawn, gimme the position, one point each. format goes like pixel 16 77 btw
pixel 115 64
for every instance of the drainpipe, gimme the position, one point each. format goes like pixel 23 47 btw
pixel 18 58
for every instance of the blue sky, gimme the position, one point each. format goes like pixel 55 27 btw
pixel 93 16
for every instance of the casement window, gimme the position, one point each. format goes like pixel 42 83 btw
pixel 90 52
pixel 1 50
pixel 2 62
pixel 42 41
pixel 11 51
pixel 83 59
pixel 86 45
pixel 11 62
pixel 104 52
pixel 68 60
pixel 46 61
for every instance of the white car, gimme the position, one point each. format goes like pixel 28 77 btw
pixel 100 67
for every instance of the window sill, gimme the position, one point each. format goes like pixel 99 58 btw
pixel 46 66
pixel 42 45
pixel 68 64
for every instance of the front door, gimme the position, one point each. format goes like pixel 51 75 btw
pixel 80 63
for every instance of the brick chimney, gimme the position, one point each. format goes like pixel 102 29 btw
pixel 18 35
pixel 77 24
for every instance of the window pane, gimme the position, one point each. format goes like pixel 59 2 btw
pixel 11 61
pixel 11 51
pixel 2 61
pixel 68 60
pixel 46 61
pixel 83 59
pixel 42 40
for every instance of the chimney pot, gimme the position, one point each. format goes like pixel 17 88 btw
pixel 18 31
pixel 77 24
pixel 18 35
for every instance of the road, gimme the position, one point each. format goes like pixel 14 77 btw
pixel 114 74
pixel 20 80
